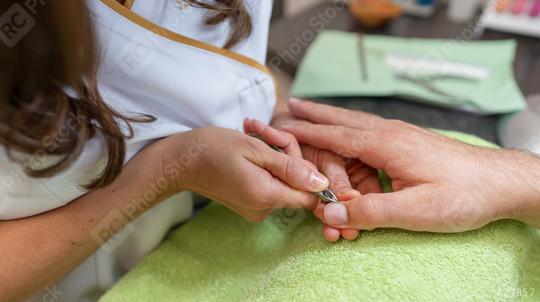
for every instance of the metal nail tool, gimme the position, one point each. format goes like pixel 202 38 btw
pixel 362 57
pixel 326 196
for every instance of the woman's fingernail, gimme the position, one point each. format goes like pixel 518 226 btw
pixel 336 214
pixel 318 182
pixel 294 100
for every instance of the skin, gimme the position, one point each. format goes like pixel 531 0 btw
pixel 333 166
pixel 440 184
pixel 247 176
pixel 64 236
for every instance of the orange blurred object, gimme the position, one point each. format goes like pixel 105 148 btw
pixel 374 13
pixel 502 5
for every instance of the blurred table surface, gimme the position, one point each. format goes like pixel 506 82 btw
pixel 288 44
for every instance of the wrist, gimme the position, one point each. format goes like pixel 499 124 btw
pixel 522 184
pixel 180 158
pixel 141 184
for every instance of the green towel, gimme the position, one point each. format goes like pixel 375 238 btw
pixel 331 68
pixel 219 256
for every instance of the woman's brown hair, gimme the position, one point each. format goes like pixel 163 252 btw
pixel 49 100
pixel 232 11
pixel 50 106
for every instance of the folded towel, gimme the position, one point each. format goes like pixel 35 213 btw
pixel 332 68
pixel 219 256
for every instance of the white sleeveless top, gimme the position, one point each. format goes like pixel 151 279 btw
pixel 157 57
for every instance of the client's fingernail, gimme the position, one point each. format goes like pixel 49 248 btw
pixel 336 214
pixel 318 182
pixel 347 194
pixel 294 100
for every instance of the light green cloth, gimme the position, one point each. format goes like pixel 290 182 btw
pixel 331 68
pixel 219 256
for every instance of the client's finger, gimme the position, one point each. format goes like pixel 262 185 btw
pixel 350 234
pixel 247 125
pixel 331 234
pixel 334 168
pixel 272 136
pixel 331 115
pixel 368 146
pixel 365 179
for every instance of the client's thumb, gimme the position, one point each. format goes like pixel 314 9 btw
pixel 371 211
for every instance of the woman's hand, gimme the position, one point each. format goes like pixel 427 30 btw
pixel 331 165
pixel 241 172
pixel 440 184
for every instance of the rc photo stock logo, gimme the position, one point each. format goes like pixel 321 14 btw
pixel 112 231
pixel 18 21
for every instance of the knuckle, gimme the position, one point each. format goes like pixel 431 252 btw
pixel 294 170
pixel 253 147
pixel 363 214
pixel 309 202
pixel 343 131
pixel 372 121
pixel 395 123
pixel 357 144
pixel 345 113
pixel 289 136
pixel 260 200
pixel 255 197
pixel 289 168
pixel 254 144
pixel 399 135
pixel 403 130
pixel 342 183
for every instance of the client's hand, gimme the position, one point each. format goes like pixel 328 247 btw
pixel 330 164
pixel 440 184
